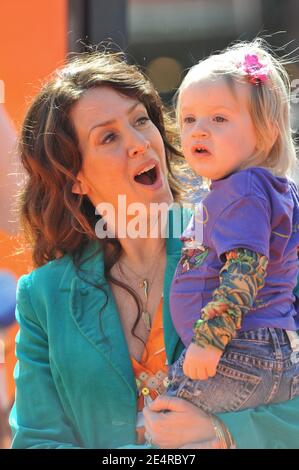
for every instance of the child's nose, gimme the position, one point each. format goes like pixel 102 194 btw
pixel 200 130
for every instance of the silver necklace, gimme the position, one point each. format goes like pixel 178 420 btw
pixel 144 284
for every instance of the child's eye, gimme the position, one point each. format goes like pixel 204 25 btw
pixel 219 119
pixel 188 120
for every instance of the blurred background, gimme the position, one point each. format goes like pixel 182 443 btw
pixel 165 37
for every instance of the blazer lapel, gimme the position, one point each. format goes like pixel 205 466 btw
pixel 171 337
pixel 177 221
pixel 94 311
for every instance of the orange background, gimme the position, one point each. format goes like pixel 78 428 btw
pixel 33 42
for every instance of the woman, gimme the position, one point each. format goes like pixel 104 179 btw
pixel 87 359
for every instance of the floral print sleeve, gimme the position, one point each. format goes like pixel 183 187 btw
pixel 241 277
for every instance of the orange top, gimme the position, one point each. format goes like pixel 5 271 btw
pixel 151 372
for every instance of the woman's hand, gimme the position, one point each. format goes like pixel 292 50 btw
pixel 172 422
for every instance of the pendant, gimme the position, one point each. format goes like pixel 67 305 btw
pixel 147 320
pixel 144 285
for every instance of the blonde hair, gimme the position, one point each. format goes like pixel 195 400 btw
pixel 269 104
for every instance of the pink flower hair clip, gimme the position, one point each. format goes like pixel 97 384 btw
pixel 254 69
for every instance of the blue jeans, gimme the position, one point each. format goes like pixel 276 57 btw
pixel 255 369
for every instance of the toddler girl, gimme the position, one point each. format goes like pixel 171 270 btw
pixel 232 293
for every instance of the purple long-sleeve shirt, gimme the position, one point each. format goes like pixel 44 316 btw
pixel 249 209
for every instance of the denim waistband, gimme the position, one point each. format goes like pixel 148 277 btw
pixel 264 334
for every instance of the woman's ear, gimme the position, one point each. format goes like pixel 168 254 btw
pixel 80 186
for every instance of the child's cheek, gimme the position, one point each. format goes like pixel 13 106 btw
pixel 184 137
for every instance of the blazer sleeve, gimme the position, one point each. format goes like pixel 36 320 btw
pixel 274 426
pixel 37 418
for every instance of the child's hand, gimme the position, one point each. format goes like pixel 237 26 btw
pixel 200 363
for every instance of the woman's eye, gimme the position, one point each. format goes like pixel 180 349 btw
pixel 219 119
pixel 108 138
pixel 142 120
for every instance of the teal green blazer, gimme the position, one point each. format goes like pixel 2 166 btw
pixel 75 383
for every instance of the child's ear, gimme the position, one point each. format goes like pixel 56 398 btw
pixel 79 187
pixel 274 132
pixel 270 137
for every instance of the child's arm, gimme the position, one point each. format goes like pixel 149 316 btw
pixel 241 277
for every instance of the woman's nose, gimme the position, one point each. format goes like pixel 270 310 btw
pixel 138 148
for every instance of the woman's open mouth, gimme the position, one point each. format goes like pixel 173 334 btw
pixel 147 176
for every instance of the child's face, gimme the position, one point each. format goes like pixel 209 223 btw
pixel 217 131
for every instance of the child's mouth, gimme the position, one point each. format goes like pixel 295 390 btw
pixel 201 150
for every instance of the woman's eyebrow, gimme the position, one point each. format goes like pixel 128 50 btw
pixel 112 121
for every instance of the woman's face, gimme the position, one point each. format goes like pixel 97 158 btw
pixel 123 151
